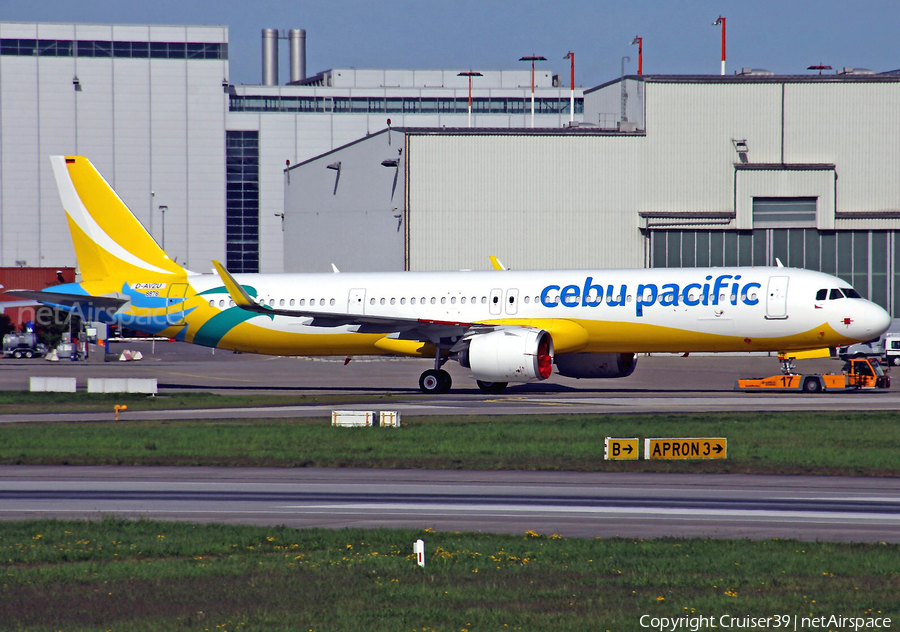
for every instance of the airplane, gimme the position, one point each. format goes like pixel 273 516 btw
pixel 503 325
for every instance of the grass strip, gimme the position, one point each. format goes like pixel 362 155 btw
pixel 25 402
pixel 142 575
pixel 785 443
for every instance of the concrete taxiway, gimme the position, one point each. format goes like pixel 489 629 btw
pixel 572 504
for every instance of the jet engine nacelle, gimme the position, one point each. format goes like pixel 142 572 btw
pixel 596 365
pixel 510 355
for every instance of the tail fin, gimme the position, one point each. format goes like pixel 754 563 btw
pixel 109 240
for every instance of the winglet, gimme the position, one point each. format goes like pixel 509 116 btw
pixel 496 264
pixel 235 290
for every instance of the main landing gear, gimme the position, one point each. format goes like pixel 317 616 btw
pixel 436 381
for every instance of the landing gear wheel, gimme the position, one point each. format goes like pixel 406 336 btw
pixel 491 387
pixel 811 385
pixel 435 381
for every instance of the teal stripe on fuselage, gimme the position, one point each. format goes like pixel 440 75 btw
pixel 213 330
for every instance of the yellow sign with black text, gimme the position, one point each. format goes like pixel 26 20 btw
pixel 621 449
pixel 685 448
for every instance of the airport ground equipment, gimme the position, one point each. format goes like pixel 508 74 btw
pixel 26 345
pixel 858 374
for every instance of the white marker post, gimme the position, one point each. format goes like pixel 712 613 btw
pixel 419 550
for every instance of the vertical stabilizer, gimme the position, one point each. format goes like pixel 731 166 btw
pixel 109 240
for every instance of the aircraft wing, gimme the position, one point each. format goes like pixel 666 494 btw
pixel 410 327
pixel 70 300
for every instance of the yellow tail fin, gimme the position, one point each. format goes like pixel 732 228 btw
pixel 109 240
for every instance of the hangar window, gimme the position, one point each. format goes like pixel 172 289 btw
pixel 784 211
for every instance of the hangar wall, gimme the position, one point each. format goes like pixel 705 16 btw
pixel 150 122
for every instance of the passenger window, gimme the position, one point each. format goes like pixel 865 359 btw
pixel 412 301
pixel 496 300
pixel 302 302
pixel 403 301
pixel 393 301
pixel 483 300
pixel 371 301
pixel 453 300
pixel 821 295
pixel 462 300
pixel 292 302
pixel 443 300
pixel 221 303
pixel 527 299
pixel 381 301
pixel 331 302
pixel 212 303
pixel 432 300
pixel 835 294
pixel 322 302
pixel 281 303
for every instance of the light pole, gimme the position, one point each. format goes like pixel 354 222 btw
pixel 640 44
pixel 162 209
pixel 532 59
pixel 571 55
pixel 721 21
pixel 470 74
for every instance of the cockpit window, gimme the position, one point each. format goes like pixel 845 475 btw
pixel 821 295
pixel 849 292
pixel 835 293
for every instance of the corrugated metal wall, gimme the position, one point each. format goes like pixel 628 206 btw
pixel 534 201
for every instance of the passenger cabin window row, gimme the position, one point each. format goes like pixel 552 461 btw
pixel 836 293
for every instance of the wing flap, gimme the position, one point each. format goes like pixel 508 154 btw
pixel 70 300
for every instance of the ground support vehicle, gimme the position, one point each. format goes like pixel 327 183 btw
pixel 858 374
pixel 26 345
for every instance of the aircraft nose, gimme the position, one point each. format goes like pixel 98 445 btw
pixel 877 320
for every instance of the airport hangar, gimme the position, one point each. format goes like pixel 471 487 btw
pixel 200 161
pixel 667 171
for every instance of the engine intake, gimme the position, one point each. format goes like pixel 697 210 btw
pixel 510 355
pixel 596 365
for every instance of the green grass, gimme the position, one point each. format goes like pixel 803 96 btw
pixel 809 443
pixel 25 402
pixel 119 574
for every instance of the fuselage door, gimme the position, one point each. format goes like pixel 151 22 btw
pixel 495 302
pixel 512 301
pixel 175 303
pixel 776 298
pixel 356 303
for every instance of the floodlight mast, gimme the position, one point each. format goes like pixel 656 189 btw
pixel 571 55
pixel 532 59
pixel 721 21
pixel 640 44
pixel 470 74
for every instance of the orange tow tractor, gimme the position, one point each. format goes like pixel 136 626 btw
pixel 857 374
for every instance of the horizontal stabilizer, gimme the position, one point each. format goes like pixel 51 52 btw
pixel 70 300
